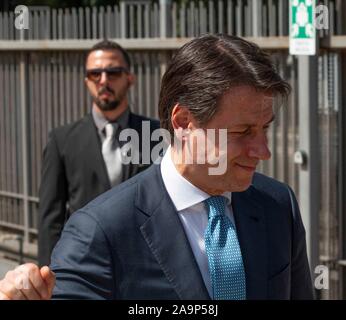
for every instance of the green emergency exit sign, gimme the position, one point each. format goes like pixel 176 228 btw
pixel 302 27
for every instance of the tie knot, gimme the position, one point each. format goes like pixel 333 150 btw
pixel 215 205
pixel 111 129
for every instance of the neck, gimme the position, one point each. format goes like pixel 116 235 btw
pixel 112 115
pixel 191 173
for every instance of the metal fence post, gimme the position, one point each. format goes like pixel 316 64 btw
pixel 165 31
pixel 256 18
pixel 165 18
pixel 122 19
pixel 24 138
pixel 342 189
pixel 309 174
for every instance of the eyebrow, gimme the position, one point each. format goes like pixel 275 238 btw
pixel 271 120
pixel 253 125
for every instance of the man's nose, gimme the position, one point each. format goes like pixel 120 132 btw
pixel 259 148
pixel 104 78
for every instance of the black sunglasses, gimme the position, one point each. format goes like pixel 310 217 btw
pixel 112 73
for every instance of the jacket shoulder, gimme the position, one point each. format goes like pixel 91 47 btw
pixel 136 120
pixel 272 188
pixel 63 132
pixel 264 182
pixel 118 203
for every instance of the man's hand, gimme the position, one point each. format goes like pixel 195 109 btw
pixel 27 282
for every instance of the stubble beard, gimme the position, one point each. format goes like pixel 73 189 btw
pixel 106 105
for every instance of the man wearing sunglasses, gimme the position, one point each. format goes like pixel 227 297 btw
pixel 82 159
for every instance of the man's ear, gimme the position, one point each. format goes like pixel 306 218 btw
pixel 181 117
pixel 131 79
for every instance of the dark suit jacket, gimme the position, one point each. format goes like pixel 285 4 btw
pixel 130 244
pixel 73 174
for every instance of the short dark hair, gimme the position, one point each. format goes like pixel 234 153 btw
pixel 108 45
pixel 205 68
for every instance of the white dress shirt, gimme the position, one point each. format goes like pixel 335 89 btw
pixel 188 201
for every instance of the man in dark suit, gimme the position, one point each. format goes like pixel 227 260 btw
pixel 77 167
pixel 188 229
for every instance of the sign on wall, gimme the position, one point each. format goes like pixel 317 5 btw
pixel 302 27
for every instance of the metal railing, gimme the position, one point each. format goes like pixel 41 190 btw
pixel 164 18
pixel 42 87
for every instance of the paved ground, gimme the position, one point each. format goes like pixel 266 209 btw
pixel 6 265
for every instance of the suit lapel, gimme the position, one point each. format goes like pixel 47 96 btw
pixel 166 238
pixel 251 229
pixel 92 151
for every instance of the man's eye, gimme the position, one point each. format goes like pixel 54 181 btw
pixel 246 131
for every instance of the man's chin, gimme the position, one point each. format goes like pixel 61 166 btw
pixel 107 105
pixel 242 185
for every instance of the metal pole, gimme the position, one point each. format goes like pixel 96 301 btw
pixel 165 31
pixel 342 180
pixel 165 18
pixel 21 253
pixel 22 75
pixel 123 19
pixel 256 18
pixel 309 174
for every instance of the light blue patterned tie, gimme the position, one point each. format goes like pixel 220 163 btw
pixel 223 251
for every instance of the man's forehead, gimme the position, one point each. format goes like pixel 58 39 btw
pixel 98 57
pixel 258 111
pixel 245 101
pixel 248 94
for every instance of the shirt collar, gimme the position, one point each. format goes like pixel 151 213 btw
pixel 100 121
pixel 181 191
